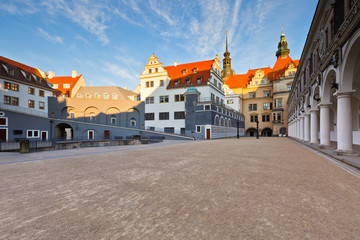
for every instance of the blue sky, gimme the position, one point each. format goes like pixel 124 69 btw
pixel 110 41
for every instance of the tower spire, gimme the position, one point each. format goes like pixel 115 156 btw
pixel 227 71
pixel 226 42
pixel 282 51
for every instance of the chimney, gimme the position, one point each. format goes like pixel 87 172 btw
pixel 74 74
pixel 175 63
pixel 51 75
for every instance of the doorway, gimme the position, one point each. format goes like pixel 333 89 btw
pixel 208 133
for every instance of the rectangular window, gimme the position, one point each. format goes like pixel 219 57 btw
pixel 15 87
pixel 217 100
pixel 31 103
pixel 187 81
pixel 230 101
pixel 252 95
pixel 31 91
pixel 32 133
pixel 66 85
pixel 149 84
pixel 106 96
pixel 41 105
pixel 198 80
pixel 149 100
pixel 252 107
pixel 169 129
pixel 212 97
pixel 3 121
pixel 267 106
pixel 11 71
pixel 278 102
pixel 149 116
pixel 176 82
pixel 7 85
pixel 15 101
pixel 114 96
pixel 278 116
pixel 164 115
pixel 267 94
pixel 266 118
pixel 150 70
pixel 41 93
pixel 28 76
pixel 179 115
pixel 198 129
pixel 55 86
pixel 7 100
pixel 164 99
pixel 179 98
pixel 206 107
pixel 253 118
pixel 156 70
pixel 161 83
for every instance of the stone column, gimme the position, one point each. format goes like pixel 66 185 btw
pixel 344 123
pixel 314 127
pixel 297 128
pixel 301 127
pixel 307 127
pixel 324 125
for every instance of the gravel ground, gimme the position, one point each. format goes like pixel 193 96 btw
pixel 271 188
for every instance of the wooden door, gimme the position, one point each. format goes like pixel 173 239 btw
pixel 91 135
pixel 207 133
pixel 106 134
pixel 3 135
pixel 43 136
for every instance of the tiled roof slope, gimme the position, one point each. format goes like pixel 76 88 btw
pixel 65 79
pixel 38 80
pixel 176 73
pixel 123 94
pixel 241 80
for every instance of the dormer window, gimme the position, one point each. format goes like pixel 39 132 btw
pixel 66 85
pixel 28 77
pixel 11 71
pixel 114 96
pixel 55 86
pixel 184 71
pixel 198 80
pixel 187 81
pixel 176 82
pixel 106 96
pixel 195 70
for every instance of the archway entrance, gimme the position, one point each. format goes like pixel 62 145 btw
pixel 64 131
pixel 266 132
pixel 251 132
pixel 283 131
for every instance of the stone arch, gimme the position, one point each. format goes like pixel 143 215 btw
pixel 65 112
pixel 131 115
pixel 266 132
pixel 350 67
pixel 112 110
pixel 329 77
pixel 64 131
pixel 250 132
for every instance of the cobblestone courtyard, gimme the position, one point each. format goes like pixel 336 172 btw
pixel 271 188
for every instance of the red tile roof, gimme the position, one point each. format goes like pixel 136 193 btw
pixel 176 73
pixel 22 66
pixel 65 79
pixel 241 80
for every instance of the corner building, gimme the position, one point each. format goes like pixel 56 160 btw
pixel 170 92
pixel 264 92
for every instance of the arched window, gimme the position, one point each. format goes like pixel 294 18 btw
pixel 133 122
pixel 216 121
pixel 92 117
pixel 222 122
pixel 113 119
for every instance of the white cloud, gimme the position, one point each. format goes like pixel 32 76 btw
pixel 81 38
pixel 50 38
pixel 162 9
pixel 89 15
pixel 124 75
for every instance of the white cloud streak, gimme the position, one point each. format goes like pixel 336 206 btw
pixel 48 37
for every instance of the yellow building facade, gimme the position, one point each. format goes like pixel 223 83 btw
pixel 264 92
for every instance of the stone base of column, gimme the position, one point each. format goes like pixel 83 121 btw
pixel 346 153
pixel 326 147
pixel 314 144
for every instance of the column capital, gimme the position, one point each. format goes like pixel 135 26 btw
pixel 340 93
pixel 306 114
pixel 314 110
